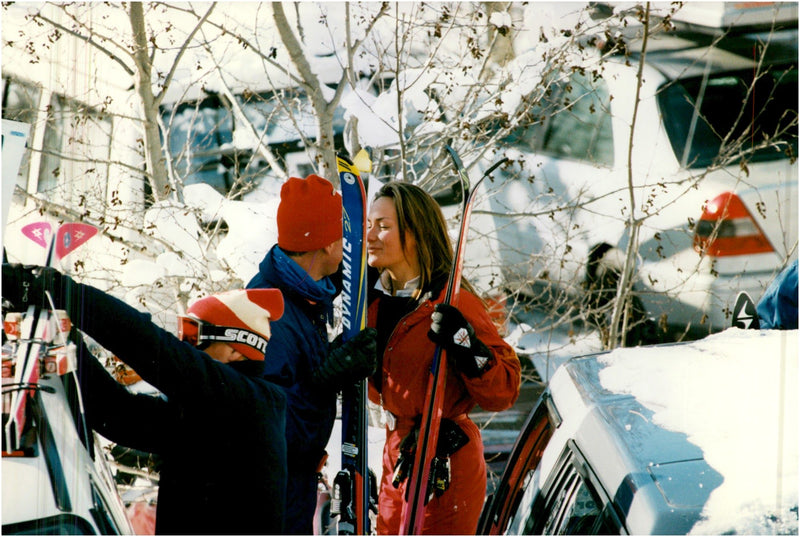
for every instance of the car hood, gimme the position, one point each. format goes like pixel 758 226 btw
pixel 713 423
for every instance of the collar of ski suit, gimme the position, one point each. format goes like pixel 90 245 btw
pixel 294 277
pixel 384 284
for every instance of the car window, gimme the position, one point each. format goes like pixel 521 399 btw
pixel 699 116
pixel 68 162
pixel 571 119
pixel 527 136
pixel 578 512
pixel 568 504
pixel 581 125
pixel 208 142
pixel 198 132
pixel 102 514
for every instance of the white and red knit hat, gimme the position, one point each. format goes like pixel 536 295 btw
pixel 247 312
pixel 309 214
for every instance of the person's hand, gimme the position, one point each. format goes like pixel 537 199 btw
pixel 348 362
pixel 25 285
pixel 455 335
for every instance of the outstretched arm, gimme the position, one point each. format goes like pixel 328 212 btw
pixel 174 367
pixel 133 420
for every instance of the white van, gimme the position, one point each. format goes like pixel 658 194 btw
pixel 685 438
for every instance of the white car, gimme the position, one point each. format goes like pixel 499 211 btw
pixel 694 437
pixel 708 228
pixel 56 480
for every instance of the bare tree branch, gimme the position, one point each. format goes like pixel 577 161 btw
pixel 88 39
pixel 625 285
pixel 156 162
pixel 181 51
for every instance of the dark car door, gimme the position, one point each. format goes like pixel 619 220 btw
pixel 524 457
pixel 571 500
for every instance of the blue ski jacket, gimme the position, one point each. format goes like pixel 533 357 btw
pixel 777 309
pixel 298 345
pixel 219 431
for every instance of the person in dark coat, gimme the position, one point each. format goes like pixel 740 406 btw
pixel 219 429
pixel 304 265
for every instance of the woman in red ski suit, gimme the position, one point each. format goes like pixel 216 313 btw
pixel 407 242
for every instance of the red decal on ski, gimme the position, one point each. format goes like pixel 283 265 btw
pixel 38 232
pixel 70 236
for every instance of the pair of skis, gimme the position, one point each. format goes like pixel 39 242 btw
pixel 351 490
pixel 37 327
pixel 351 486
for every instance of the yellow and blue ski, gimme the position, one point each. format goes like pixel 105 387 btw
pixel 351 487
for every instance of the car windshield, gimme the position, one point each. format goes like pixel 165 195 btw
pixel 764 128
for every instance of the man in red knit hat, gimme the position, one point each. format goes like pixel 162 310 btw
pixel 218 430
pixel 304 265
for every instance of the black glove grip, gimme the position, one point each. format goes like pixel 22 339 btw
pixel 453 332
pixel 349 362
pixel 450 329
pixel 474 361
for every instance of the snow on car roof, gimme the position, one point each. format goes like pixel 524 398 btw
pixel 735 396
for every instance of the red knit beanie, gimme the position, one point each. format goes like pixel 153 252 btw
pixel 309 215
pixel 250 309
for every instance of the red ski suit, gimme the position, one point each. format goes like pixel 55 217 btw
pixel 405 371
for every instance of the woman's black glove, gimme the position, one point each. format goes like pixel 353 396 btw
pixel 25 285
pixel 454 334
pixel 348 362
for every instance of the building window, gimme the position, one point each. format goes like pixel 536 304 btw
pixel 209 142
pixel 20 103
pixel 71 162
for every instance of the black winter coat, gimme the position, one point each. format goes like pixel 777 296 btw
pixel 220 432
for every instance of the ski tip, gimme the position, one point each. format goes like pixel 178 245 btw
pixel 344 157
pixel 72 235
pixel 744 312
pixel 454 156
pixel 362 161
pixel 38 232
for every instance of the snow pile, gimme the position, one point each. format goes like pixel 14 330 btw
pixel 549 347
pixel 381 112
pixel 501 20
pixel 735 395
pixel 252 229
